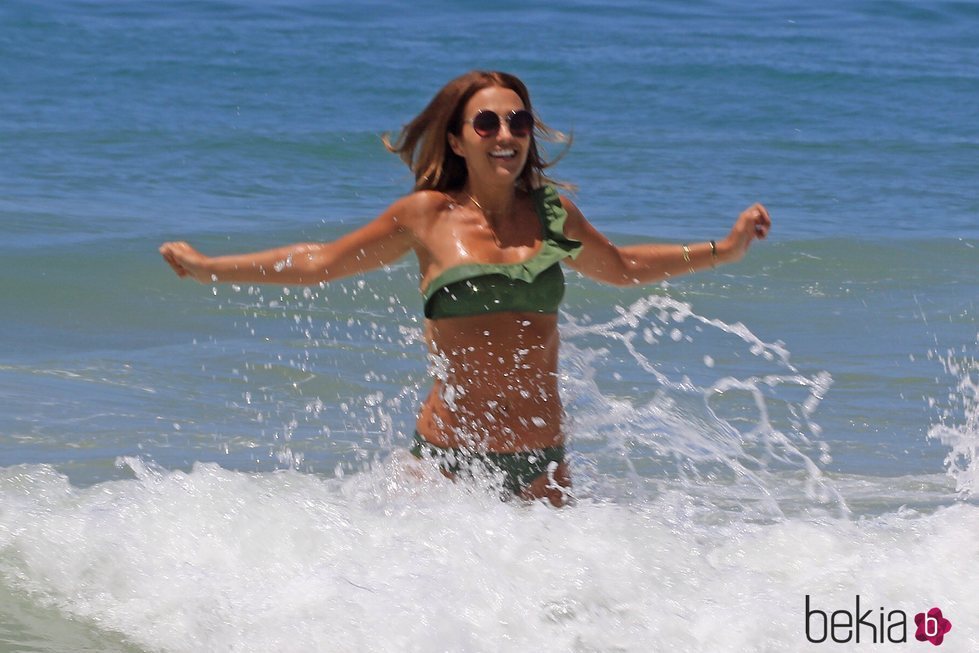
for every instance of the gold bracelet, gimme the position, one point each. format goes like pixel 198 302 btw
pixel 686 257
pixel 713 254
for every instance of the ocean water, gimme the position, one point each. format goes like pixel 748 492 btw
pixel 187 468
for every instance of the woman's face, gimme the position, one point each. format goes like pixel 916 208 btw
pixel 497 156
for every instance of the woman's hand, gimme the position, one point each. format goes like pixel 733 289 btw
pixel 753 223
pixel 186 261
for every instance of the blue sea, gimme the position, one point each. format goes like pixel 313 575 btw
pixel 760 453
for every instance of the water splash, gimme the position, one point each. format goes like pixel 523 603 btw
pixel 750 437
pixel 739 431
pixel 958 426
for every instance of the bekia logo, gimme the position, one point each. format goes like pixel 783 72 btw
pixel 873 626
pixel 932 626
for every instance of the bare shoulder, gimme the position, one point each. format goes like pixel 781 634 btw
pixel 570 207
pixel 419 208
pixel 575 222
pixel 426 202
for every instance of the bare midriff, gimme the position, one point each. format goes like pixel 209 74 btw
pixel 495 382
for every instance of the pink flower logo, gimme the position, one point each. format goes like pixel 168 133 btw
pixel 932 626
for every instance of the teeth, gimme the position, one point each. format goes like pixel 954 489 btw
pixel 503 153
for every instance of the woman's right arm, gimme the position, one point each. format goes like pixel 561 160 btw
pixel 380 242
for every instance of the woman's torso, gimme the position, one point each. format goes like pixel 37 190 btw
pixel 495 369
pixel 495 383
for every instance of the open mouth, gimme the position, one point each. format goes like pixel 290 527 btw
pixel 503 154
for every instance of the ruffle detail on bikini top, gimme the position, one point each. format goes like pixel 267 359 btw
pixel 555 246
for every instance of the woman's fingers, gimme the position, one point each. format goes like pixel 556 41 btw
pixel 763 222
pixel 760 219
pixel 174 255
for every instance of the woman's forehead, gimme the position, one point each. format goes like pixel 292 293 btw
pixel 494 98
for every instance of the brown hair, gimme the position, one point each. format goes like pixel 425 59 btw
pixel 423 142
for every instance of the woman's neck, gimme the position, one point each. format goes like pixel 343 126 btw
pixel 495 201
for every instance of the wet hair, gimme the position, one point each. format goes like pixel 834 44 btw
pixel 423 143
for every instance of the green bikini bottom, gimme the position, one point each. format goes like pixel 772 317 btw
pixel 520 468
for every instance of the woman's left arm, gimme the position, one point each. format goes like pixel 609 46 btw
pixel 604 261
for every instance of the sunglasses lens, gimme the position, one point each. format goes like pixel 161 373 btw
pixel 521 123
pixel 486 123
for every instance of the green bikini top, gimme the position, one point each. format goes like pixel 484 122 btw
pixel 532 286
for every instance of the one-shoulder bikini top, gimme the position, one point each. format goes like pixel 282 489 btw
pixel 533 286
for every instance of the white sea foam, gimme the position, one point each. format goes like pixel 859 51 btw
pixel 384 561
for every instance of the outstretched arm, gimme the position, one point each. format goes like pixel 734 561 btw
pixel 602 260
pixel 381 241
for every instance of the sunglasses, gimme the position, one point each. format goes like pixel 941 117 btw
pixel 487 123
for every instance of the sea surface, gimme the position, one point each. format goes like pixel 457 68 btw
pixel 188 468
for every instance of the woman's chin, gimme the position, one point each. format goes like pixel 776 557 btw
pixel 507 170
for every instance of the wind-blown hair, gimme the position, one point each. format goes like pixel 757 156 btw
pixel 423 143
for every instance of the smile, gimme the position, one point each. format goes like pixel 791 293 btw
pixel 503 154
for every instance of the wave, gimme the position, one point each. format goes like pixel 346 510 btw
pixel 393 560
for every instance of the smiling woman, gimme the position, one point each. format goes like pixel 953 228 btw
pixel 490 232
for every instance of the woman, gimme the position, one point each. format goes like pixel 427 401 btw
pixel 490 233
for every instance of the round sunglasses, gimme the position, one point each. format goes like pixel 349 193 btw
pixel 487 123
